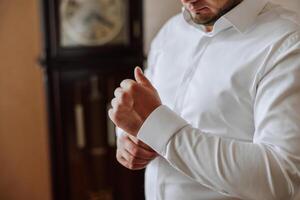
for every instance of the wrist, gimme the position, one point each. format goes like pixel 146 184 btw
pixel 152 108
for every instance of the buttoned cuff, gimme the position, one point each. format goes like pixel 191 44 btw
pixel 160 126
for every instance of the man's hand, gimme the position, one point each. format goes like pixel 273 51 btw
pixel 132 153
pixel 134 101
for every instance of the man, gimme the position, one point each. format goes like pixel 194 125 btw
pixel 219 115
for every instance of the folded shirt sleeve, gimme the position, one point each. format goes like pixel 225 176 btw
pixel 267 168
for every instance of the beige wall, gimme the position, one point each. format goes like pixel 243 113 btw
pixel 291 4
pixel 156 13
pixel 24 173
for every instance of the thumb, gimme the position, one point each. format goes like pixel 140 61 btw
pixel 141 78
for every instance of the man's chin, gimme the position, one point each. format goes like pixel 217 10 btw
pixel 202 16
pixel 203 20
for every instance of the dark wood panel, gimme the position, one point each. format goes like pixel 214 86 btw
pixel 79 86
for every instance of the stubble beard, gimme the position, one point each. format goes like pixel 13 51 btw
pixel 209 20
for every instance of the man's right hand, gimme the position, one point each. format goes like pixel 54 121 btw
pixel 133 153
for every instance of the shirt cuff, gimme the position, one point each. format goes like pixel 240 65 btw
pixel 159 128
pixel 119 132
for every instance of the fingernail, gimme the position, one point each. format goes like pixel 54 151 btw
pixel 139 68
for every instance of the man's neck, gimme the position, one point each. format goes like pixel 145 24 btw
pixel 209 27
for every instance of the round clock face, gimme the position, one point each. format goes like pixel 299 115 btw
pixel 91 22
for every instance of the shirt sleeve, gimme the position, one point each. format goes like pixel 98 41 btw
pixel 267 168
pixel 119 131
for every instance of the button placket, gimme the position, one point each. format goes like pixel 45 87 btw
pixel 189 74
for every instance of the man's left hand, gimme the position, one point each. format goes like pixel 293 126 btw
pixel 134 101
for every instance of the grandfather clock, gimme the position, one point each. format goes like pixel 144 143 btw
pixel 89 47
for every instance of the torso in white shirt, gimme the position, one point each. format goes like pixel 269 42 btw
pixel 210 81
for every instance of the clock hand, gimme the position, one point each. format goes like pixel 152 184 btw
pixel 98 17
pixel 104 21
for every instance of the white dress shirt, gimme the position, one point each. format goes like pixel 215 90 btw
pixel 229 126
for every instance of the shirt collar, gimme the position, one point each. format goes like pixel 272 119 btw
pixel 241 17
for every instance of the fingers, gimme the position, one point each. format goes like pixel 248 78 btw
pixel 120 104
pixel 136 150
pixel 129 85
pixel 140 143
pixel 131 159
pixel 118 92
pixel 129 165
pixel 122 97
pixel 131 155
pixel 116 105
pixel 133 103
pixel 128 88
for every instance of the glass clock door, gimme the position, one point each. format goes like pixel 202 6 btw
pixel 93 22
